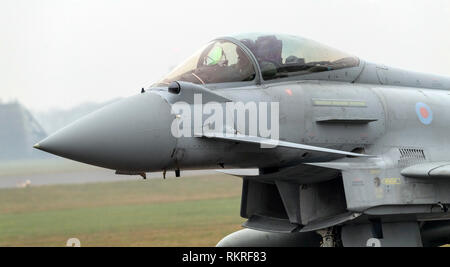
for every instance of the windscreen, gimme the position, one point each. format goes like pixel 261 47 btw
pixel 218 62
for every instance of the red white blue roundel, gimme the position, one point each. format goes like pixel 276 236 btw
pixel 424 113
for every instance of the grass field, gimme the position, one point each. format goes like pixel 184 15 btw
pixel 174 212
pixel 34 166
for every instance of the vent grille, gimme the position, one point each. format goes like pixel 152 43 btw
pixel 411 156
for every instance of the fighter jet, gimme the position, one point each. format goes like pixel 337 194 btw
pixel 332 150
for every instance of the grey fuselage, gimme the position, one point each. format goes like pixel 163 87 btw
pixel 390 106
pixel 369 109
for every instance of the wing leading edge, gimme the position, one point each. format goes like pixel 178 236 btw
pixel 428 170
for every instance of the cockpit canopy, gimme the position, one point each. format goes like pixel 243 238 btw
pixel 220 61
pixel 244 57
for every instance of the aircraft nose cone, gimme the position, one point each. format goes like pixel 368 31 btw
pixel 130 135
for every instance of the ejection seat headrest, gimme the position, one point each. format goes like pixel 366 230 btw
pixel 269 48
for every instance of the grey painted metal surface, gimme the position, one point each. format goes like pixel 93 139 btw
pixel 253 238
pixel 394 235
pixel 331 116
pixel 428 170
pixel 140 119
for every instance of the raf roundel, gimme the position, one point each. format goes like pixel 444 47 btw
pixel 424 113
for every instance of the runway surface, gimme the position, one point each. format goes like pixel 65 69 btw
pixel 15 174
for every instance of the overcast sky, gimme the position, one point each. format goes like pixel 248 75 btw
pixel 59 53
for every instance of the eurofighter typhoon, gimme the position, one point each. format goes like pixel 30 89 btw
pixel 332 150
